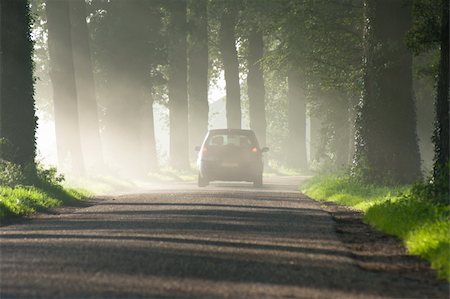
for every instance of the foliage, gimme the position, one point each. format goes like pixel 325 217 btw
pixel 425 32
pixel 11 174
pixel 25 190
pixel 425 38
pixel 405 211
pixel 322 41
pixel 436 188
pixel 14 175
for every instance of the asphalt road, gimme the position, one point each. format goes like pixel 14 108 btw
pixel 224 241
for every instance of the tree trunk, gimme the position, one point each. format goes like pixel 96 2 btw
pixel 177 85
pixel 2 149
pixel 255 84
pixel 387 148
pixel 17 114
pixel 441 132
pixel 198 72
pixel 148 135
pixel 227 45
pixel 296 152
pixel 314 142
pixel 87 104
pixel 341 136
pixel 62 75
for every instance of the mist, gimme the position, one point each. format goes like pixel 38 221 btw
pixel 129 88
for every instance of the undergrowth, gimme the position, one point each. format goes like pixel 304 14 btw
pixel 423 223
pixel 24 191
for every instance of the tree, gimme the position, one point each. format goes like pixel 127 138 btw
pixel 177 85
pixel 441 131
pixel 17 114
pixel 227 46
pixel 86 96
pixel 255 84
pixel 322 41
pixel 296 152
pixel 127 50
pixel 198 71
pixel 62 75
pixel 386 148
pixel 255 15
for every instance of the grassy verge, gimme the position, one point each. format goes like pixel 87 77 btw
pixel 422 224
pixel 26 200
pixel 26 190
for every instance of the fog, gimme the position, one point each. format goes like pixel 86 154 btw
pixel 128 88
pixel 46 138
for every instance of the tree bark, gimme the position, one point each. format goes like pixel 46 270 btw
pixel 387 148
pixel 227 45
pixel 1 80
pixel 87 104
pixel 314 142
pixel 255 84
pixel 441 132
pixel 17 113
pixel 198 72
pixel 342 136
pixel 296 152
pixel 177 85
pixel 62 75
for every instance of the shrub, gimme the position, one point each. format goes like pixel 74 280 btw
pixel 11 174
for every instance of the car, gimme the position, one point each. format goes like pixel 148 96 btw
pixel 230 155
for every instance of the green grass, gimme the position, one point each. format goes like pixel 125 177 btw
pixel 26 200
pixel 422 224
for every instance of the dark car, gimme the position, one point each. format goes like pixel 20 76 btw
pixel 230 155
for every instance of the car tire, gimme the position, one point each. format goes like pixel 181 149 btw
pixel 202 182
pixel 258 182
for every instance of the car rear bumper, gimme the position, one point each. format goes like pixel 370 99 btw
pixel 230 171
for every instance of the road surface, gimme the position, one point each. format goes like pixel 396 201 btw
pixel 228 240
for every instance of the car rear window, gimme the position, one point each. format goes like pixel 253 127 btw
pixel 239 140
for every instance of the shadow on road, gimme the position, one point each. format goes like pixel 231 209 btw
pixel 191 245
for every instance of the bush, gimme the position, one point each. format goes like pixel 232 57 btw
pixel 25 190
pixel 49 175
pixel 11 174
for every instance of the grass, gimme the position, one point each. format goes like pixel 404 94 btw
pixel 421 223
pixel 26 200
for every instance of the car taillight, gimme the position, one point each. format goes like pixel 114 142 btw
pixel 254 150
